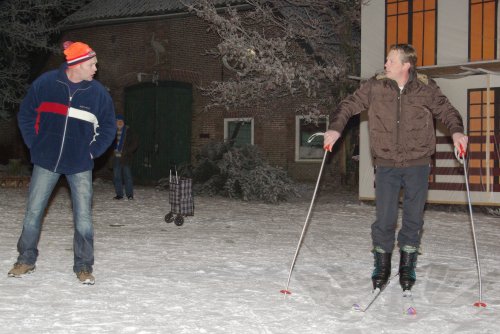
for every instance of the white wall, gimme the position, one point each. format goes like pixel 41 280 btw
pixel 372 61
pixel 452 31
pixel 372 38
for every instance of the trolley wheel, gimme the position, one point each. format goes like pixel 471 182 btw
pixel 179 220
pixel 169 217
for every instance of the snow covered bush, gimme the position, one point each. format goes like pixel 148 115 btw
pixel 240 172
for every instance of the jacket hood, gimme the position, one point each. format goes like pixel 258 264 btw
pixel 413 76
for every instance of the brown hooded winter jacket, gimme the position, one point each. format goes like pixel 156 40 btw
pixel 400 123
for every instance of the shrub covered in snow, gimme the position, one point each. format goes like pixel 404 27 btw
pixel 240 172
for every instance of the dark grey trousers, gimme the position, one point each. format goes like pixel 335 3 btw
pixel 388 183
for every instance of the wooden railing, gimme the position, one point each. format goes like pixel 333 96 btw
pixel 494 172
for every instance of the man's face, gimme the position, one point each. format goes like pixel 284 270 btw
pixel 87 69
pixel 120 123
pixel 395 69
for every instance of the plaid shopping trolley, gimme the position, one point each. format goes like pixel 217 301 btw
pixel 180 198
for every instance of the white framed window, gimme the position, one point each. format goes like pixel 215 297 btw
pixel 239 129
pixel 304 128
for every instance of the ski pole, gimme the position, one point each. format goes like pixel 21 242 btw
pixel 460 155
pixel 286 291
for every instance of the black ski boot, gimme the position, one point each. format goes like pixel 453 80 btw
pixel 382 270
pixel 407 265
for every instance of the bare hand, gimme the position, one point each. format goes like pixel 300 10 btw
pixel 460 141
pixel 330 137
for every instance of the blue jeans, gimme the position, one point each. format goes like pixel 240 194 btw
pixel 119 170
pixel 42 184
pixel 388 184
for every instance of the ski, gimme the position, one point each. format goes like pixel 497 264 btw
pixel 408 304
pixel 366 302
pixel 369 299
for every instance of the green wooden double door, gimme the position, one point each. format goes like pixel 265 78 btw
pixel 160 115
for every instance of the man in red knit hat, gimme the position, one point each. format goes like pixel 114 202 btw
pixel 67 120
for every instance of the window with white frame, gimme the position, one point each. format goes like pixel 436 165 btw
pixel 240 130
pixel 304 129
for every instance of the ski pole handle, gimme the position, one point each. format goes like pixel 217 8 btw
pixel 460 154
pixel 311 138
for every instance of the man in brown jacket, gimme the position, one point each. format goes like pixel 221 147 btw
pixel 401 106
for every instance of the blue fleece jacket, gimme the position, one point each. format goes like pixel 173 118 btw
pixel 66 132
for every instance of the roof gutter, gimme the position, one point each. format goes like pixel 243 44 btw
pixel 124 20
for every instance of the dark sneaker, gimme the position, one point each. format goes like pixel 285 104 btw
pixel 130 198
pixel 21 269
pixel 407 265
pixel 382 270
pixel 85 277
pixel 118 197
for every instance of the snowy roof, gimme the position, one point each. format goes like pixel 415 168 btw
pixel 102 11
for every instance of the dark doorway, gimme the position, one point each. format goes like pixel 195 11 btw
pixel 160 114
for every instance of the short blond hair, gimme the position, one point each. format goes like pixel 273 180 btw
pixel 407 52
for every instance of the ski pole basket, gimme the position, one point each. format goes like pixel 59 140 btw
pixel 180 199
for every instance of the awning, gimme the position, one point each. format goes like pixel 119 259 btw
pixel 461 70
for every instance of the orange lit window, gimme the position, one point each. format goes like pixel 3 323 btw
pixel 482 29
pixel 484 135
pixel 413 22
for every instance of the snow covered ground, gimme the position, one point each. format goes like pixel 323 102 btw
pixel 222 271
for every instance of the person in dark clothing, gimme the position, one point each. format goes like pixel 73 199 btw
pixel 67 120
pixel 401 106
pixel 125 146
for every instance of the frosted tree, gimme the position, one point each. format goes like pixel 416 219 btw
pixel 283 48
pixel 27 30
